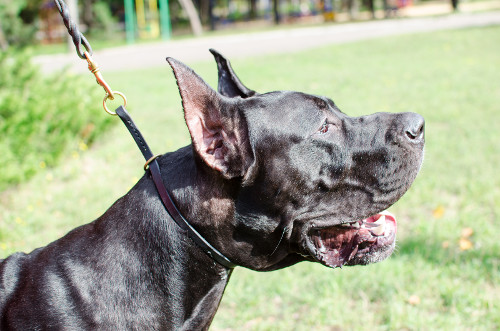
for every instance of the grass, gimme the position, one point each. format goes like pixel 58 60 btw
pixel 442 277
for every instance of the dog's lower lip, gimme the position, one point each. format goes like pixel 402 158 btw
pixel 337 245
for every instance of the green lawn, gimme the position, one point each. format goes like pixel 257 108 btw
pixel 440 277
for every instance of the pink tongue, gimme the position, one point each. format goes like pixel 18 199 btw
pixel 388 216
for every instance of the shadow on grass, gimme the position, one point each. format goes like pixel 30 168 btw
pixel 485 260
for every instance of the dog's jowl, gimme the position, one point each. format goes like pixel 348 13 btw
pixel 269 180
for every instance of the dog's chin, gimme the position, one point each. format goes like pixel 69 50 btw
pixel 355 243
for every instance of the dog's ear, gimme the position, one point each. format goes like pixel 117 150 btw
pixel 229 84
pixel 218 128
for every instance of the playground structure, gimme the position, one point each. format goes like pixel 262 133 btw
pixel 149 18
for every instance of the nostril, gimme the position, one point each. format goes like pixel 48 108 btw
pixel 416 133
pixel 411 135
pixel 415 127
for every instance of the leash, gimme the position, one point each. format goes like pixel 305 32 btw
pixel 151 159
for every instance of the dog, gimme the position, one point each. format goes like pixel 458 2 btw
pixel 269 180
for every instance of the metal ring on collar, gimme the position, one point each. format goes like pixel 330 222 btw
pixel 151 159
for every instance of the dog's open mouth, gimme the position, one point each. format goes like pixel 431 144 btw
pixel 360 242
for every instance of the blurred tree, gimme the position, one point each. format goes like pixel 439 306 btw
pixel 277 17
pixel 3 41
pixel 87 13
pixel 13 30
pixel 253 9
pixel 98 17
pixel 194 18
pixel 30 11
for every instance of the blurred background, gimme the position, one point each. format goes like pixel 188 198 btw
pixel 64 161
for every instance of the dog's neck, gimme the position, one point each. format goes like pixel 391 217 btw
pixel 209 202
pixel 194 282
pixel 203 197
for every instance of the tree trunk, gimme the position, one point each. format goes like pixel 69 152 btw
pixel 88 14
pixel 253 9
pixel 276 11
pixel 194 18
pixel 3 42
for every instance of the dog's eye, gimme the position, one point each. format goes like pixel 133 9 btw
pixel 324 128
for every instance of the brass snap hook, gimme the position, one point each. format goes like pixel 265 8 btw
pixel 108 96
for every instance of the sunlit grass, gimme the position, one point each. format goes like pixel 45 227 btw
pixel 435 280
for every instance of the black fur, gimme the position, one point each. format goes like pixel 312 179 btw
pixel 264 174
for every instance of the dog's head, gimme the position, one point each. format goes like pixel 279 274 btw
pixel 307 181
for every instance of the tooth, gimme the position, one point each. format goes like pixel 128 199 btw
pixel 379 230
pixel 355 225
pixel 381 220
pixel 319 242
pixel 345 225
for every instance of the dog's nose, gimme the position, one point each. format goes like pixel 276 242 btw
pixel 414 127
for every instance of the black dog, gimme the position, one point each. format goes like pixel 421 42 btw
pixel 269 180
